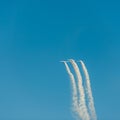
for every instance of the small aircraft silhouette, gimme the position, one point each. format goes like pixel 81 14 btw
pixel 64 61
pixel 80 61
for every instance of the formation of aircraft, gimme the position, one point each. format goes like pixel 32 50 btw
pixel 64 61
pixel 70 60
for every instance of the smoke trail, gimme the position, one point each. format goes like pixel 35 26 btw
pixel 82 103
pixel 89 93
pixel 74 88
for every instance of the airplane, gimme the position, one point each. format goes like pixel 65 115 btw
pixel 80 61
pixel 64 61
pixel 71 60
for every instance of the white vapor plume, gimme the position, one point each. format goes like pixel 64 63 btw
pixel 82 103
pixel 74 89
pixel 89 93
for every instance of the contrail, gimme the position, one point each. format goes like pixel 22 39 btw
pixel 89 93
pixel 74 89
pixel 82 102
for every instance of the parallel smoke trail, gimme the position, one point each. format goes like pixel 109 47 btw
pixel 89 93
pixel 82 103
pixel 74 88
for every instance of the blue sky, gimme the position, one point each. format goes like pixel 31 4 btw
pixel 36 35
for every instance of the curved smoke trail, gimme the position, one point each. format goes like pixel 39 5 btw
pixel 82 103
pixel 74 88
pixel 89 93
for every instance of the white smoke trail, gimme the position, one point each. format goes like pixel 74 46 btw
pixel 89 93
pixel 74 91
pixel 82 103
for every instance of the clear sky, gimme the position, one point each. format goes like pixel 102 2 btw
pixel 36 34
